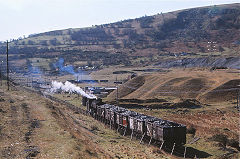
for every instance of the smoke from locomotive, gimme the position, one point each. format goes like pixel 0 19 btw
pixel 69 88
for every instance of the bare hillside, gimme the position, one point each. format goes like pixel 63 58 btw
pixel 203 85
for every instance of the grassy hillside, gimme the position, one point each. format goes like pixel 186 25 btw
pixel 192 33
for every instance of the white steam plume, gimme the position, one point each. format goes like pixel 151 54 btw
pixel 70 88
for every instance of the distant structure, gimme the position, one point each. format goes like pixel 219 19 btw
pixel 212 46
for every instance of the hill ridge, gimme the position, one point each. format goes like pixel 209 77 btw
pixel 203 32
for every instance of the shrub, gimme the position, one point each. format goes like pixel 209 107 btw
pixel 157 151
pixel 221 138
pixel 233 143
pixel 2 99
pixel 11 101
pixel 24 105
pixel 94 128
pixel 191 130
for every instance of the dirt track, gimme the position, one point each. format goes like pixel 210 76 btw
pixel 32 126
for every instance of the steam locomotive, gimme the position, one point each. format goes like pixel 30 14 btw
pixel 131 122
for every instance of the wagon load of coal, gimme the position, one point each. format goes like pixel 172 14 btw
pixel 169 131
pixel 118 113
pixel 136 123
pixel 108 110
pixel 133 120
pixel 112 111
pixel 157 130
pixel 141 123
pixel 150 125
pixel 101 110
pixel 126 117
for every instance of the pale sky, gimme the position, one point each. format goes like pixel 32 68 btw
pixel 24 17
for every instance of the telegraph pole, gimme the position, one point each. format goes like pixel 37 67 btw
pixel 1 72
pixel 116 81
pixel 117 96
pixel 237 99
pixel 238 108
pixel 7 69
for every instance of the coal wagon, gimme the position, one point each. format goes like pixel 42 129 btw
pixel 154 128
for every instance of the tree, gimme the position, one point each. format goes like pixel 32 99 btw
pixel 30 42
pixel 221 49
pixel 53 42
pixel 89 63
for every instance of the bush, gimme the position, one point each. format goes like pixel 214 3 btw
pixel 233 143
pixel 24 105
pixel 156 150
pixel 224 141
pixel 11 101
pixel 2 99
pixel 221 138
pixel 94 128
pixel 191 130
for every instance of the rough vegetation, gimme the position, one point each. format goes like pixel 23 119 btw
pixel 47 127
pixel 35 127
pixel 207 34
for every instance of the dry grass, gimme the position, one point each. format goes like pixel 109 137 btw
pixel 50 139
pixel 79 138
pixel 62 133
pixel 183 84
pixel 216 116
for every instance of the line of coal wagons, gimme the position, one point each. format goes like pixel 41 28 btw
pixel 135 123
